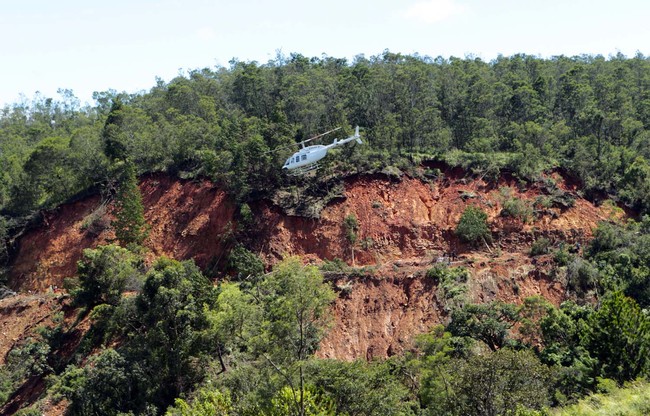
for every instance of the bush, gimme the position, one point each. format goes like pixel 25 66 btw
pixel 473 225
pixel 335 266
pixel 582 275
pixel 517 208
pixel 245 263
pixel 562 256
pixel 450 279
pixel 540 246
pixel 106 272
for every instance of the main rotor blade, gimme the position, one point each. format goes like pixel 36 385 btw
pixel 302 142
pixel 321 135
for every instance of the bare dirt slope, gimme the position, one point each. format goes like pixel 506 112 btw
pixel 405 226
pixel 187 220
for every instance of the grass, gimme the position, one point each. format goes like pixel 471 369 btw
pixel 631 400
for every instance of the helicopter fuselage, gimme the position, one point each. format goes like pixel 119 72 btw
pixel 306 156
pixel 312 154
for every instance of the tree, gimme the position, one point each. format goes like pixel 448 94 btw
pixel 295 306
pixel 351 225
pixel 246 264
pixel 104 273
pixel 473 225
pixel 360 387
pixel 500 382
pixel 619 337
pixel 130 225
pixel 489 323
pixel 280 322
pixel 103 387
pixel 169 346
pixel 113 135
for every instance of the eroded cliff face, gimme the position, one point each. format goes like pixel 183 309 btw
pixel 187 219
pixel 405 227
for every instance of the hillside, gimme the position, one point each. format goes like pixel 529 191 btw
pixel 478 186
pixel 406 226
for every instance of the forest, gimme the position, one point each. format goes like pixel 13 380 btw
pixel 165 340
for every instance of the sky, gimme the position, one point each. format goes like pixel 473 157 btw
pixel 126 45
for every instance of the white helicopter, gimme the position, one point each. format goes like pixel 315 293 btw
pixel 304 160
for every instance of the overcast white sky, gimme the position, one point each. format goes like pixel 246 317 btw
pixel 124 45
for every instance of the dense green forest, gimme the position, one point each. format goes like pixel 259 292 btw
pixel 178 345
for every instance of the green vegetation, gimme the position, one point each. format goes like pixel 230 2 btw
pixel 165 340
pixel 631 400
pixel 473 226
pixel 540 246
pixel 130 226
pixel 586 114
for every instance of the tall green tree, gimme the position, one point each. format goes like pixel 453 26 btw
pixel 489 322
pixel 280 322
pixel 129 224
pixel 113 134
pixel 104 273
pixel 619 337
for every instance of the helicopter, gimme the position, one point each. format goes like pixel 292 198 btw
pixel 304 160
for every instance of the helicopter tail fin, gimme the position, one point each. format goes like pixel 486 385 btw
pixel 357 136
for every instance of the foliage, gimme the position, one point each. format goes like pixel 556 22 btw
pixel 516 208
pixel 130 225
pixel 622 255
pixel 490 322
pixel 618 335
pixel 586 114
pixel 633 399
pixel 105 273
pixel 493 383
pixel 245 263
pixel 473 225
pixel 360 387
pixel 451 282
pixel 540 246
pixel 563 333
pixel 351 226
pixel 284 404
pixel 499 382
pixel 582 276
pixel 26 360
pixel 278 322
pixel 171 308
pixel 335 266
pixel 205 401
pixel 104 386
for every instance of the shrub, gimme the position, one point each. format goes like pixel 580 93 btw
pixel 106 272
pixel 473 225
pixel 517 208
pixel 336 266
pixel 540 246
pixel 562 256
pixel 450 280
pixel 245 263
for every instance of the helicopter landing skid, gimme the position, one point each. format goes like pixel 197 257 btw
pixel 304 170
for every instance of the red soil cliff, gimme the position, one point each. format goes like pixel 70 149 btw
pixel 404 227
